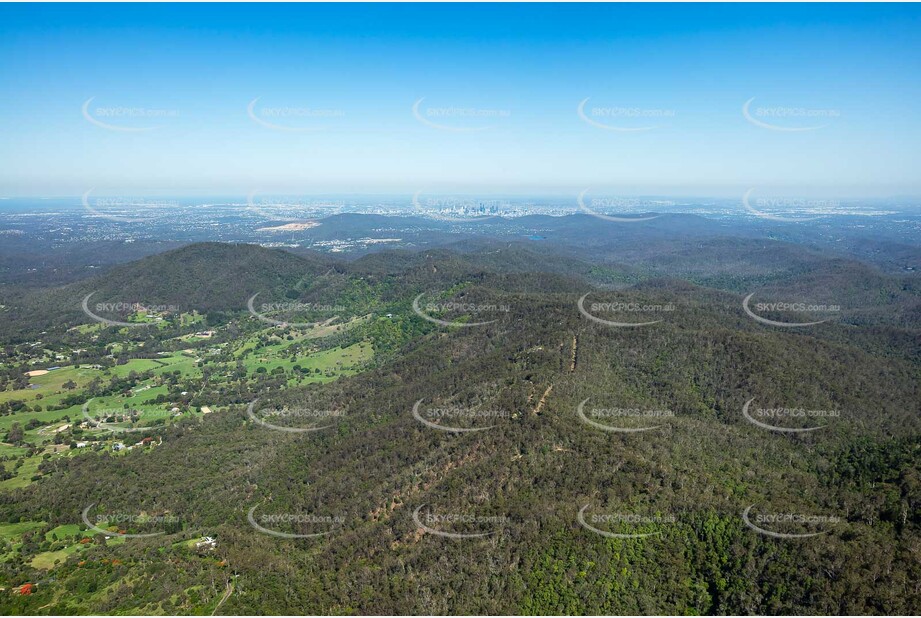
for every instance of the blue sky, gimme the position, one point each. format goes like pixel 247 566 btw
pixel 500 85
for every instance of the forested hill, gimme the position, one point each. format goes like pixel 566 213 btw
pixel 203 277
pixel 508 453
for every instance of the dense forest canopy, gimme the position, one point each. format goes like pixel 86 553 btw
pixel 467 429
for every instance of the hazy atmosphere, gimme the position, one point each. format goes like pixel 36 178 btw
pixel 460 309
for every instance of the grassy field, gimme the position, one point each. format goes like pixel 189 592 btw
pixel 24 474
pixel 13 532
pixel 48 416
pixel 51 384
pixel 331 363
pixel 11 450
pixel 344 361
pixel 46 560
pixel 64 532
pixel 262 352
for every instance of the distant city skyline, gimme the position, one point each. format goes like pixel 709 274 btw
pixel 682 101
